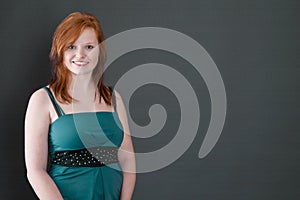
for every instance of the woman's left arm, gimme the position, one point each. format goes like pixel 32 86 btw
pixel 126 153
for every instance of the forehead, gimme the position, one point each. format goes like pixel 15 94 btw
pixel 87 36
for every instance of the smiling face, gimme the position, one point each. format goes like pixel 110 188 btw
pixel 81 57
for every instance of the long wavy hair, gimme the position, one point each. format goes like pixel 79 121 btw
pixel 67 32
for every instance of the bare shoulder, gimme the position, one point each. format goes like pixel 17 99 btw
pixel 122 113
pixel 118 96
pixel 119 102
pixel 39 96
pixel 36 124
pixel 39 99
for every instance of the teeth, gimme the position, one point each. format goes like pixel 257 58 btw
pixel 80 62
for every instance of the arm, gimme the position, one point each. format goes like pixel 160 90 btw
pixel 126 154
pixel 37 122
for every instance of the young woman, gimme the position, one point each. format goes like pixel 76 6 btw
pixel 77 140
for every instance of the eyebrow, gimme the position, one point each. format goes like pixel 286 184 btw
pixel 90 43
pixel 96 42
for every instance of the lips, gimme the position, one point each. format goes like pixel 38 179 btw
pixel 80 63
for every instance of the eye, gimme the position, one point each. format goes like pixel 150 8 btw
pixel 71 47
pixel 89 46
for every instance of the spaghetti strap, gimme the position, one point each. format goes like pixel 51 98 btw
pixel 58 109
pixel 113 97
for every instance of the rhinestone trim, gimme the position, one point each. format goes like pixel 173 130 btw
pixel 91 157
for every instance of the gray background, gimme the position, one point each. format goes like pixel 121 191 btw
pixel 255 45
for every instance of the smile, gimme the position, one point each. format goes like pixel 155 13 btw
pixel 80 63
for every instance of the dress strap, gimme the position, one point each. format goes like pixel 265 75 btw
pixel 57 108
pixel 113 97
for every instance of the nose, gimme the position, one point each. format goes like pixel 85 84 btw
pixel 80 53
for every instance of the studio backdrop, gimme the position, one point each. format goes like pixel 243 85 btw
pixel 211 90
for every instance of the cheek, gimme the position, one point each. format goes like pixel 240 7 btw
pixel 66 57
pixel 95 55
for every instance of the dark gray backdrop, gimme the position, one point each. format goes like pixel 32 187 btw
pixel 255 45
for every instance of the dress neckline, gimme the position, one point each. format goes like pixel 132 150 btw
pixel 60 112
pixel 79 113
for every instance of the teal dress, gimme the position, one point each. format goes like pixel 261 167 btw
pixel 83 131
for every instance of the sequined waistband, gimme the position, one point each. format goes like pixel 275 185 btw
pixel 91 157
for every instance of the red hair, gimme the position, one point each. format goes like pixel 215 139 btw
pixel 67 32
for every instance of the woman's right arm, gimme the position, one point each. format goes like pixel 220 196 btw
pixel 37 122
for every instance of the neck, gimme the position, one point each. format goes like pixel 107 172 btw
pixel 83 87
